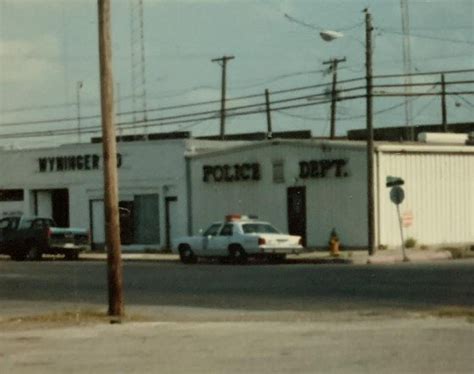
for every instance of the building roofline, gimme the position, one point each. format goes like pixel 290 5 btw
pixel 383 147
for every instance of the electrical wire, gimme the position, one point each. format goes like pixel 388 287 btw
pixel 255 108
pixel 427 37
pixel 209 102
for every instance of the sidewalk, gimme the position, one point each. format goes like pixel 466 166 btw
pixel 362 345
pixel 356 257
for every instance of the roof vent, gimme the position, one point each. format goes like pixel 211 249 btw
pixel 442 138
pixel 470 140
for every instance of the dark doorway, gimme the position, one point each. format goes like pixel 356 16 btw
pixel 296 198
pixel 60 206
pixel 126 215
pixel 168 201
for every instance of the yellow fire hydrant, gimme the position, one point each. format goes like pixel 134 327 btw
pixel 334 243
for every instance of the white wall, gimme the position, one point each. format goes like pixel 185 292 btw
pixel 147 167
pixel 330 202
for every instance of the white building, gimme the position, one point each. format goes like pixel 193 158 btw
pixel 175 187
pixel 309 187
pixel 66 183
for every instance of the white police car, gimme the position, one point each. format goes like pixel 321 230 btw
pixel 237 238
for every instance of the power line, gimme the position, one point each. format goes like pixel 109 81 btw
pixel 181 119
pixel 208 102
pixel 424 73
pixel 260 95
pixel 350 117
pixel 427 37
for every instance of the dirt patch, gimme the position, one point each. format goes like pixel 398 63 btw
pixel 456 312
pixel 460 252
pixel 67 318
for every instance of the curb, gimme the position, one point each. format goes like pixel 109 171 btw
pixel 412 257
pixel 308 258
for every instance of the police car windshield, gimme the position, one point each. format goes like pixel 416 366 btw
pixel 212 231
pixel 259 228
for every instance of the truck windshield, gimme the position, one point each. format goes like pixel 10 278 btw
pixel 259 228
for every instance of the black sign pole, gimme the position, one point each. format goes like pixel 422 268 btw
pixel 400 223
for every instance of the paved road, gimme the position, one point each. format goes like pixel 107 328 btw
pixel 247 288
pixel 239 319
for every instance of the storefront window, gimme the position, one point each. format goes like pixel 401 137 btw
pixel 278 172
pixel 11 195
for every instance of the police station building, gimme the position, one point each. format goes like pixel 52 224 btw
pixel 309 187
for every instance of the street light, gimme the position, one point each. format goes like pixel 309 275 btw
pixel 330 35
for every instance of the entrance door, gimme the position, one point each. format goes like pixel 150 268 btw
pixel 296 199
pixel 169 221
pixel 126 215
pixel 54 204
pixel 43 203
pixel 60 200
pixel 97 223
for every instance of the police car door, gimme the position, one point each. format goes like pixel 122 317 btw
pixel 218 245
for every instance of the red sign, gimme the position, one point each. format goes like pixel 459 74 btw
pixel 407 218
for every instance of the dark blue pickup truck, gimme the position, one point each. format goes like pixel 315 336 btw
pixel 28 238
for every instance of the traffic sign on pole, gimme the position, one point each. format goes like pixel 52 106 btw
pixel 397 195
pixel 407 218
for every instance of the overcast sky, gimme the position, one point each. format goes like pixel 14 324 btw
pixel 48 46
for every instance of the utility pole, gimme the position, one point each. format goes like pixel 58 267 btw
pixel 370 134
pixel 443 104
pixel 112 225
pixel 409 128
pixel 334 62
pixel 223 63
pixel 269 116
pixel 78 102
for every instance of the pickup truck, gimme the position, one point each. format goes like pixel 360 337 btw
pixel 237 238
pixel 28 238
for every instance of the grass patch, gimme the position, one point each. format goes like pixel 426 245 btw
pixel 460 252
pixel 70 318
pixel 456 312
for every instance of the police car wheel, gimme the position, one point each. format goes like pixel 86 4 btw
pixel 186 255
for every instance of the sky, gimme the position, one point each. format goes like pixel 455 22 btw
pixel 49 64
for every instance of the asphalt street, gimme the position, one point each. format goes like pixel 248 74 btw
pixel 214 318
pixel 304 287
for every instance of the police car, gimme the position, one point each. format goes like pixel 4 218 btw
pixel 237 238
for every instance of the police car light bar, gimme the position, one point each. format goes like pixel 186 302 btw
pixel 236 217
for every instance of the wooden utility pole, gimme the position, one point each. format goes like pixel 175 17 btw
pixel 334 62
pixel 78 103
pixel 223 62
pixel 269 116
pixel 370 135
pixel 443 104
pixel 112 224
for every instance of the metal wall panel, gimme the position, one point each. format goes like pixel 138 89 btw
pixel 439 191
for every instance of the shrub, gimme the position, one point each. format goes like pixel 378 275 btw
pixel 410 243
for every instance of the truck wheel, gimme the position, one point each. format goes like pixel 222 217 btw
pixel 276 258
pixel 237 254
pixel 72 255
pixel 18 256
pixel 186 255
pixel 34 253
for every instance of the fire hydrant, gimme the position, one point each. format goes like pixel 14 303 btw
pixel 334 243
